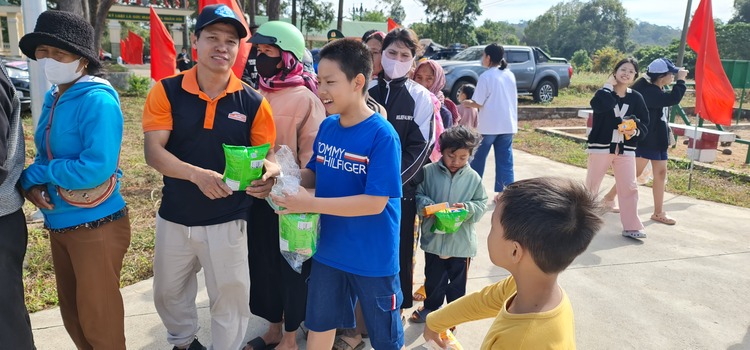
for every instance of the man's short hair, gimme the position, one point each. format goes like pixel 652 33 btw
pixel 553 218
pixel 459 137
pixel 352 57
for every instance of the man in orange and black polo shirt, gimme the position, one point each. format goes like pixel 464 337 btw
pixel 201 221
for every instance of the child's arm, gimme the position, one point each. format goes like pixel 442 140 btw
pixel 483 304
pixel 423 199
pixel 477 205
pixel 307 178
pixel 305 202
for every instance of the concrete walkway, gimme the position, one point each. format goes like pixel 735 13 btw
pixel 685 287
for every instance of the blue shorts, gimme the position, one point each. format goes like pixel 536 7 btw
pixel 651 154
pixel 332 295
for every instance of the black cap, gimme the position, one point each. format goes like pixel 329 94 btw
pixel 220 13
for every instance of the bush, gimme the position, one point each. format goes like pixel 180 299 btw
pixel 606 58
pixel 138 86
pixel 581 61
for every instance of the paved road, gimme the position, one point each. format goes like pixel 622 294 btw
pixel 685 287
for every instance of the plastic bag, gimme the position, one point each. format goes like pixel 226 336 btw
pixel 298 233
pixel 449 339
pixel 449 220
pixel 243 165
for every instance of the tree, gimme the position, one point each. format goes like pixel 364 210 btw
pixel 496 32
pixel 544 30
pixel 581 61
pixel 395 10
pixel 603 23
pixel 316 16
pixel 645 34
pixel 741 11
pixel 453 19
pixel 273 9
pixel 732 41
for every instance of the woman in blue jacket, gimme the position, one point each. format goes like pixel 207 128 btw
pixel 78 142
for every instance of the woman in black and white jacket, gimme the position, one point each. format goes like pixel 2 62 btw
pixel 611 144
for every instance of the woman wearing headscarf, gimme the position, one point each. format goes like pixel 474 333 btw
pixel 277 292
pixel 430 74
pixel 78 141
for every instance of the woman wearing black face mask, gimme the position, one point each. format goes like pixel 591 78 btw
pixel 277 292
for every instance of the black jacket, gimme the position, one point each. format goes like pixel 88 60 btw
pixel 411 112
pixel 609 110
pixel 658 102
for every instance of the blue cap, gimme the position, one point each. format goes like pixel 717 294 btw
pixel 662 65
pixel 220 13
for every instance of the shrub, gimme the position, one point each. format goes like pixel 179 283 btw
pixel 138 86
pixel 606 58
pixel 581 61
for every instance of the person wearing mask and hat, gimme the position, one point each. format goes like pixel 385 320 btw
pixel 653 148
pixel 201 221
pixel 277 292
pixel 78 142
pixel 15 328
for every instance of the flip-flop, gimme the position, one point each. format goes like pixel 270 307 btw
pixel 341 344
pixel 663 218
pixel 419 315
pixel 420 294
pixel 259 344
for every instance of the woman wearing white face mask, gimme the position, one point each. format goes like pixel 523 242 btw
pixel 412 114
pixel 78 142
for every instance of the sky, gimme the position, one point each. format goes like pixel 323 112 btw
pixel 662 12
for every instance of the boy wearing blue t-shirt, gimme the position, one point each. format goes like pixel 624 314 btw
pixel 355 170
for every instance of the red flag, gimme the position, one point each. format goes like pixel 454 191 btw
pixel 135 45
pixel 714 94
pixel 124 50
pixel 392 24
pixel 244 51
pixel 163 54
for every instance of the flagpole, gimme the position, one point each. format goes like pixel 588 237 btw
pixel 692 154
pixel 683 38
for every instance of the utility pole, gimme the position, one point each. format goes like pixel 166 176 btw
pixel 340 20
pixel 39 85
pixel 683 38
pixel 294 13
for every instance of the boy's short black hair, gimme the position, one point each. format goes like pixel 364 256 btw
pixel 352 57
pixel 459 137
pixel 468 90
pixel 553 218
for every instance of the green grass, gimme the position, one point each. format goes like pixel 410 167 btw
pixel 141 188
pixel 707 184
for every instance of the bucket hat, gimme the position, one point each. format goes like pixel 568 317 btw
pixel 63 30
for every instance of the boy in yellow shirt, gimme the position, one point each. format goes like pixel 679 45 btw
pixel 539 226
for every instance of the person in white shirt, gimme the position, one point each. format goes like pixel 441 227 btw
pixel 497 100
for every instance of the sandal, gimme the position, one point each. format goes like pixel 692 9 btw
pixel 258 343
pixel 634 233
pixel 611 206
pixel 419 315
pixel 663 218
pixel 341 344
pixel 420 294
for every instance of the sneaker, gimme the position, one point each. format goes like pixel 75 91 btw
pixel 634 233
pixel 195 345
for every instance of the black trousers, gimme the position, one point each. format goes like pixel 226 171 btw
pixel 15 327
pixel 277 292
pixel 444 279
pixel 406 249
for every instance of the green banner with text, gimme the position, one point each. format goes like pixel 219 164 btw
pixel 143 17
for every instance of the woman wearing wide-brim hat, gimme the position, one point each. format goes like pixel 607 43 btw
pixel 74 179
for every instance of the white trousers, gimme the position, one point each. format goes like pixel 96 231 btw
pixel 179 254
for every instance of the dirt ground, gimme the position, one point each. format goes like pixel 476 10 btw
pixel 735 161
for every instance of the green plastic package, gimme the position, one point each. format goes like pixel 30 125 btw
pixel 298 233
pixel 449 220
pixel 243 165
